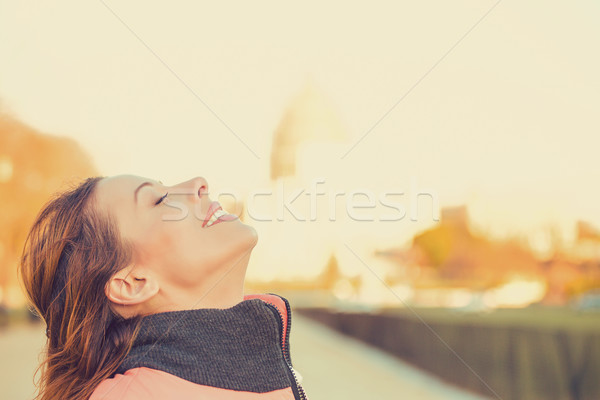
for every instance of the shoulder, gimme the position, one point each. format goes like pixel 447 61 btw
pixel 135 383
pixel 150 384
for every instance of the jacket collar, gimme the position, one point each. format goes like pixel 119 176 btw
pixel 236 348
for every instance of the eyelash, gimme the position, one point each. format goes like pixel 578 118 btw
pixel 161 199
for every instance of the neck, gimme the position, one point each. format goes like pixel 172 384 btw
pixel 223 288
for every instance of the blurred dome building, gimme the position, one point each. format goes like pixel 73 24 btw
pixel 310 118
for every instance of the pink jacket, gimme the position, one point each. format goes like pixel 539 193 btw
pixel 143 383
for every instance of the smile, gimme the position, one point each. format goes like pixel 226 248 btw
pixel 217 215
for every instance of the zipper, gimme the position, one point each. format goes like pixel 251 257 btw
pixel 298 390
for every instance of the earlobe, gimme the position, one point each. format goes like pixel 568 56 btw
pixel 128 287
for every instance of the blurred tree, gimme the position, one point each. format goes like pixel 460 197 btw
pixel 458 255
pixel 33 166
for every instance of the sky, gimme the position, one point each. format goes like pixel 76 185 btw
pixel 486 103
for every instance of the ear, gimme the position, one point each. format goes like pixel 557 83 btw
pixel 131 287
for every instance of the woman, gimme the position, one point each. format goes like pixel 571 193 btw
pixel 141 287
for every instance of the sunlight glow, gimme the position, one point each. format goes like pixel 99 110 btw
pixel 516 293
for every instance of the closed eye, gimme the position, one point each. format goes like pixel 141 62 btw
pixel 161 199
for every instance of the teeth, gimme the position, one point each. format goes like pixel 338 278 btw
pixel 216 215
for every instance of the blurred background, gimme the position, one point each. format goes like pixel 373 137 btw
pixel 423 177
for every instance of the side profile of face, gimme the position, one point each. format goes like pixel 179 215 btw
pixel 175 255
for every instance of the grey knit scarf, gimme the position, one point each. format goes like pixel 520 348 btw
pixel 236 348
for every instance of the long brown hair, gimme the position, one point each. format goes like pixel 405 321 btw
pixel 69 255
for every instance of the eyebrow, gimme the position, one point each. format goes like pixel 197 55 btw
pixel 135 193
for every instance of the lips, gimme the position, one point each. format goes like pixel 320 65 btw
pixel 214 206
pixel 216 214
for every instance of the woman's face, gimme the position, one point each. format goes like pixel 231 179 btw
pixel 169 237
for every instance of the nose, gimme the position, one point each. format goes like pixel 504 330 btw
pixel 196 187
pixel 200 186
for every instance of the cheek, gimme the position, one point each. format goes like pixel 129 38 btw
pixel 182 242
pixel 155 241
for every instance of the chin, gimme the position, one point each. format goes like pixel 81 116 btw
pixel 247 235
pixel 251 234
